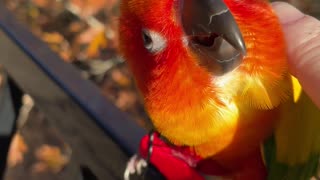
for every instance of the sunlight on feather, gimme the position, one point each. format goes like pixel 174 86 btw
pixel 296 87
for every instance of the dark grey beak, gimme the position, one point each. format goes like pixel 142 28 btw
pixel 213 34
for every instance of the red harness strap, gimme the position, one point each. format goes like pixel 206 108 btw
pixel 176 162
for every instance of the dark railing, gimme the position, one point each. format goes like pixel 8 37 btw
pixel 61 93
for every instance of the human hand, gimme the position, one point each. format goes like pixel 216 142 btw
pixel 302 33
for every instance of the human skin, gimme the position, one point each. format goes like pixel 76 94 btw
pixel 302 33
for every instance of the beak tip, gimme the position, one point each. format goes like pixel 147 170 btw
pixel 236 40
pixel 243 49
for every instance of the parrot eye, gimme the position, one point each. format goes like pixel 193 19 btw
pixel 147 41
pixel 153 41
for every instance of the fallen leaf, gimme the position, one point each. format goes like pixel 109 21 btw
pixel 126 100
pixel 120 78
pixel 50 158
pixel 17 150
pixel 52 38
pixel 97 43
pixel 88 7
pixel 41 3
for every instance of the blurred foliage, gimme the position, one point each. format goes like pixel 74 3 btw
pixel 84 33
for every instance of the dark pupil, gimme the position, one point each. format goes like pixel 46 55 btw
pixel 146 39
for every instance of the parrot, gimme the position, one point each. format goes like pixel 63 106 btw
pixel 216 84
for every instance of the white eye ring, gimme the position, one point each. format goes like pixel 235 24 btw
pixel 153 41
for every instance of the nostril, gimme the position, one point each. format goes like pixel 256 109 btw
pixel 205 40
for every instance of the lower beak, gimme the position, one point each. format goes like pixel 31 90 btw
pixel 213 34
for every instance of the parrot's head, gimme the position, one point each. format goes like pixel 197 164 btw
pixel 197 62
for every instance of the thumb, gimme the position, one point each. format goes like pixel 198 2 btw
pixel 302 33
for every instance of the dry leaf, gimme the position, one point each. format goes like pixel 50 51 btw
pixel 17 150
pixel 120 78
pixel 126 100
pixel 50 158
pixel 52 38
pixel 41 3
pixel 88 7
pixel 98 42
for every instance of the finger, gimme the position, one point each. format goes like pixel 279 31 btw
pixel 302 33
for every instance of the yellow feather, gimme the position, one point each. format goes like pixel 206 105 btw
pixel 297 89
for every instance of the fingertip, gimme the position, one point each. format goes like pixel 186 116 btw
pixel 287 13
pixel 302 33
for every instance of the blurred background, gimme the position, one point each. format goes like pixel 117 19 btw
pixel 83 33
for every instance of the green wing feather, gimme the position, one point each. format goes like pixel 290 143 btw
pixel 293 151
pixel 283 171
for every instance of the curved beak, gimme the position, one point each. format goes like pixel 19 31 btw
pixel 213 34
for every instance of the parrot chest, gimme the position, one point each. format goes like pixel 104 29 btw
pixel 244 137
pixel 235 133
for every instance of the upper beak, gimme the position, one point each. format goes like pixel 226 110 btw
pixel 213 34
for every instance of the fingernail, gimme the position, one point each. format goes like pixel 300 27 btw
pixel 287 13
